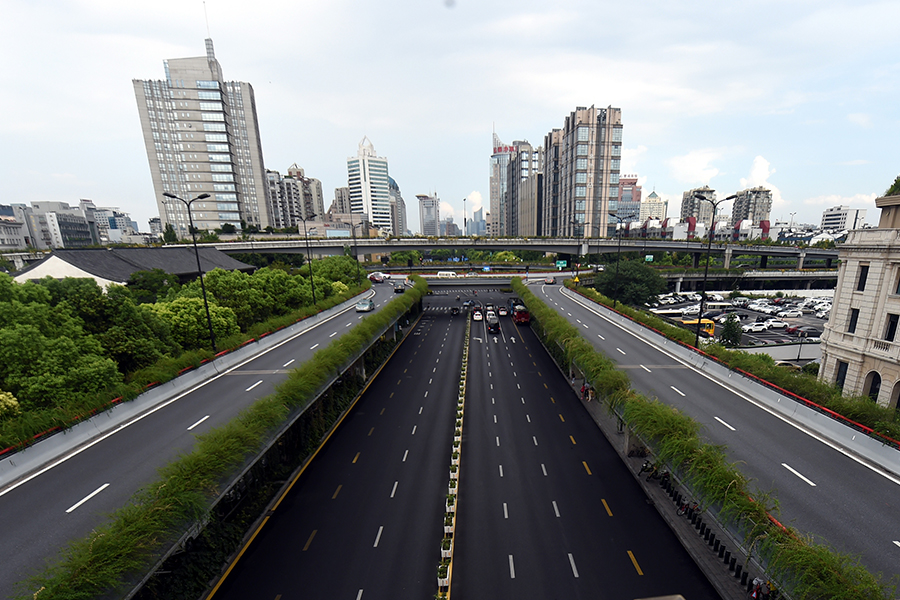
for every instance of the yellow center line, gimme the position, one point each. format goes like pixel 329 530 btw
pixel 534 363
pixel 552 400
pixel 404 370
pixel 539 374
pixel 337 491
pixel 637 567
pixel 355 458
pixel 545 387
pixel 606 506
pixel 586 468
pixel 383 409
pixel 371 430
pixel 399 381
pixel 278 597
pixel 561 418
pixel 309 541
pixel 570 437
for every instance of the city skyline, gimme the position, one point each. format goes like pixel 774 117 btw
pixel 796 98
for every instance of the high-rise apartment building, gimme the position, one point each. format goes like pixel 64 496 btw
pixel 369 188
pixel 629 194
pixel 693 206
pixel 500 158
pixel 429 214
pixel 840 218
pixel 398 208
pixel 653 207
pixel 341 203
pixel 294 197
pixel 753 204
pixel 523 190
pixel 550 224
pixel 581 171
pixel 202 137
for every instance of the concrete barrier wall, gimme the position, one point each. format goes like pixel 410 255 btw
pixel 79 437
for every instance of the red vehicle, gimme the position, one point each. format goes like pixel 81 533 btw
pixel 521 315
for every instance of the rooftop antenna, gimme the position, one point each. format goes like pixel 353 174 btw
pixel 206 17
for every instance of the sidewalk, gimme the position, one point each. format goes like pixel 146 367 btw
pixel 711 561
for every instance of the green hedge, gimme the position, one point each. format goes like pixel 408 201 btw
pixel 136 535
pixel 810 571
pixel 860 409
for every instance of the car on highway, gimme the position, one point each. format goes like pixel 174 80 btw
pixel 454 310
pixel 399 288
pixel 753 327
pixel 775 324
pixel 477 315
pixel 550 280
pixel 366 305
pixel 790 314
pixel 376 278
pixel 521 316
pixel 380 275
pixel 492 322
pixel 502 311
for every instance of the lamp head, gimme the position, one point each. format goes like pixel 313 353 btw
pixel 170 195
pixel 201 197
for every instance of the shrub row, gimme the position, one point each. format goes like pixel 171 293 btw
pixel 860 409
pixel 136 535
pixel 807 570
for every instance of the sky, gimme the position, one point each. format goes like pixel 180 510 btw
pixel 800 96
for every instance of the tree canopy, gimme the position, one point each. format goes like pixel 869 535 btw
pixel 635 283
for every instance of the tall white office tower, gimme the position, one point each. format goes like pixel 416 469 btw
pixel 202 137
pixel 500 157
pixel 367 176
pixel 430 214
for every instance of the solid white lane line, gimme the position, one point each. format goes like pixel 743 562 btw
pixel 333 334
pixel 555 509
pixel 394 491
pixel 288 362
pixel 897 543
pixel 646 369
pixel 501 470
pixel 622 352
pixel 572 562
pixel 505 512
pixel 88 497
pixel 535 440
pixel 544 469
pixel 788 467
pixel 528 417
pixel 512 568
pixel 405 454
pixel 254 385
pixel 378 537
pixel 314 347
pixel 414 429
pixel 359 595
pixel 198 422
pixel 677 391
pixel 724 423
pixel 498 440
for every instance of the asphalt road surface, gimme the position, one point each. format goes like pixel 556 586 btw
pixel 40 515
pixel 821 489
pixel 546 507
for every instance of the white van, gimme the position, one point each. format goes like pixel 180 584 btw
pixel 446 274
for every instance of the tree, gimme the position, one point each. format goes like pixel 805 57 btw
pixel 637 283
pixel 147 286
pixel 731 332
pixel 187 319
pixel 9 406
pixel 227 228
pixel 169 235
pixel 894 190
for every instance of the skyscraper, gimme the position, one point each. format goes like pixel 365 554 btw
pixel 429 214
pixel 398 208
pixel 500 158
pixel 629 193
pixel 341 202
pixel 653 207
pixel 693 206
pixel 753 204
pixel 581 171
pixel 202 136
pixel 294 197
pixel 369 188
pixel 523 190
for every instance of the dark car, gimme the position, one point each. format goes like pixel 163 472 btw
pixel 399 288
pixel 493 323
pixel 454 310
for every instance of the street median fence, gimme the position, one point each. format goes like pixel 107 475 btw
pixel 803 569
pixel 177 532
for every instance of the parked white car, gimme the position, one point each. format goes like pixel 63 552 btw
pixel 753 327
pixel 775 324
pixel 691 310
pixel 790 314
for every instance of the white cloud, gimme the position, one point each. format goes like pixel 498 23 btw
pixel 630 158
pixel 861 119
pixel 694 167
pixel 447 210
pixel 854 201
pixel 474 202
pixel 760 172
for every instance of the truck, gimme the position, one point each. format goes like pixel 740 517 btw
pixel 520 315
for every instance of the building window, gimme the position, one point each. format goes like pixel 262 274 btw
pixel 616 150
pixel 580 177
pixel 891 330
pixel 583 131
pixel 580 191
pixel 212 85
pixel 209 95
pixel 617 134
pixel 841 374
pixel 581 150
pixel 581 163
pixel 863 274
pixel 854 317
pixel 614 164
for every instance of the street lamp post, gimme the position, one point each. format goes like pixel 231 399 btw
pixel 355 248
pixel 791 226
pixel 212 337
pixel 619 220
pixel 709 236
pixel 465 230
pixel 312 284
